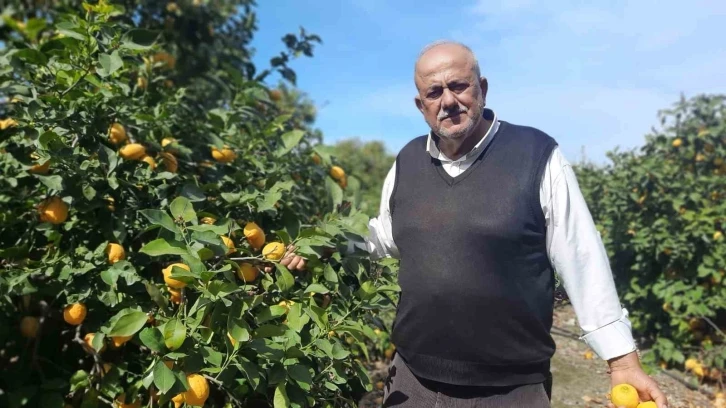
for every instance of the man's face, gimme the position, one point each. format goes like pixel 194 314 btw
pixel 451 97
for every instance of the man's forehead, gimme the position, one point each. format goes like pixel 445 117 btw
pixel 445 59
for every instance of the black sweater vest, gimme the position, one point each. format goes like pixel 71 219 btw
pixel 476 282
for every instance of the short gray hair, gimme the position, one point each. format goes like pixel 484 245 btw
pixel 437 43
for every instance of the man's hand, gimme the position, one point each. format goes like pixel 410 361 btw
pixel 290 260
pixel 627 370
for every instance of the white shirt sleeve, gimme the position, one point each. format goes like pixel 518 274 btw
pixel 579 257
pixel 379 242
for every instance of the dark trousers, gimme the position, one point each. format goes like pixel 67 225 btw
pixel 403 389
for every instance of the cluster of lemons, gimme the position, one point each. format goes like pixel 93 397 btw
pixel 336 172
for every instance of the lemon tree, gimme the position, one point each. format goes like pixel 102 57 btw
pixel 661 214
pixel 149 180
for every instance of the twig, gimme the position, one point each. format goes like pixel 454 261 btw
pixel 96 358
pixel 710 322
pixel 687 384
pixel 221 386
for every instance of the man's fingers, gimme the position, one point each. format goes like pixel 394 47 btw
pixel 657 395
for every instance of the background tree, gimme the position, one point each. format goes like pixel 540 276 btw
pixel 660 211
pixel 370 162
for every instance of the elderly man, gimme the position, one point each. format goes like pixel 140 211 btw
pixel 481 213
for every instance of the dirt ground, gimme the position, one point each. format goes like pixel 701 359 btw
pixel 578 381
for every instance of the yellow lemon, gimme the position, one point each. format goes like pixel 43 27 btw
pixel 88 339
pixel 273 251
pixel 624 395
pixel 247 272
pixel 647 404
pixel 677 143
pixel 337 173
pixel 208 220
pixel 167 141
pixel 198 391
pixel 171 282
pixel 8 123
pixel 53 210
pixel 150 161
pixel 229 243
pixel 40 168
pixel 175 295
pixel 115 252
pixel 119 341
pixel 133 151
pixel 117 133
pixel 255 235
pixel 225 155
pixel 75 313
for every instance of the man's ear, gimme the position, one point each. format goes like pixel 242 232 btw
pixel 484 84
pixel 419 103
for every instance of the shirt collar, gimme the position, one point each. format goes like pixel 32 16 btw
pixel 437 154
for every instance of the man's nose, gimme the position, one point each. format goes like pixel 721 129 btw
pixel 448 100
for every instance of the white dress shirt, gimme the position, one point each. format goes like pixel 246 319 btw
pixel 574 247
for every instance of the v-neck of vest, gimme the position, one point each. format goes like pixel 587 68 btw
pixel 486 148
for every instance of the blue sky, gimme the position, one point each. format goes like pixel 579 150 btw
pixel 592 76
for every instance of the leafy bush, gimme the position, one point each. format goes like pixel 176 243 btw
pixel 661 214
pixel 148 180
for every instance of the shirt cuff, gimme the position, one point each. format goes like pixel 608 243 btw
pixel 612 340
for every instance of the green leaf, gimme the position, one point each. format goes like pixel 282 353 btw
pixel 268 200
pixel 317 288
pixel 109 64
pixel 160 247
pixel 174 334
pixel 160 218
pixel 301 375
pixel 127 322
pixel 193 193
pixel 339 352
pixel 79 380
pixel 281 400
pixel 325 346
pixel 34 26
pixel 284 279
pixel 318 315
pixel 54 182
pixel 163 377
pixel 269 330
pixel 182 208
pixel 32 56
pixel 289 141
pixel 89 192
pixel 152 338
pixel 335 193
pixel 329 274
pixel 70 29
pixel 212 356
pixel 296 319
pixel 139 39
pixel 110 276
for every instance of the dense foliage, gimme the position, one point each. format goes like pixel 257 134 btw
pixel 661 213
pixel 149 177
